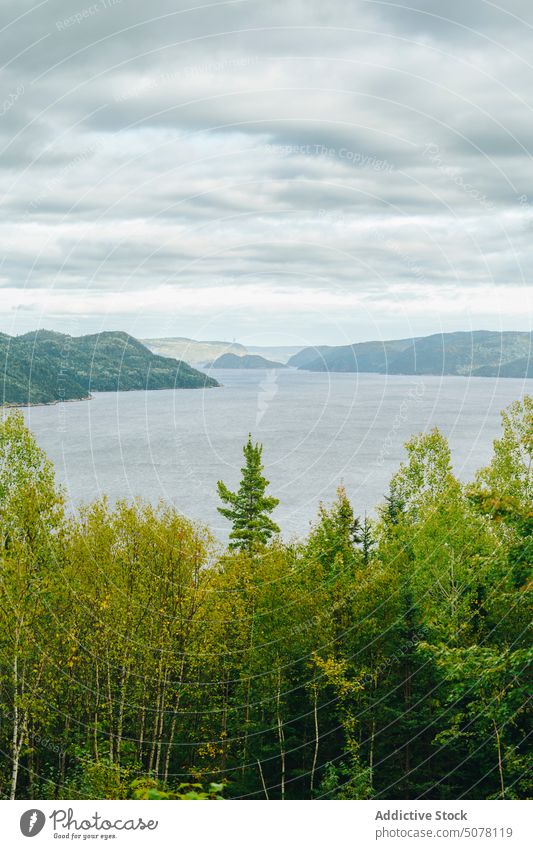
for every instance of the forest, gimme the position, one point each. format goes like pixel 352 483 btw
pixel 377 658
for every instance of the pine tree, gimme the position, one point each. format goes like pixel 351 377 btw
pixel 332 541
pixel 248 508
pixel 394 505
pixel 367 540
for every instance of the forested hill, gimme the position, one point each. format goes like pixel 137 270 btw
pixel 480 353
pixel 42 367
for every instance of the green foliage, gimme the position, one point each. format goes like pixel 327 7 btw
pixel 333 539
pixel 367 540
pixel 30 504
pixel 425 477
pixel 100 779
pixel 249 507
pixel 344 781
pixel 488 696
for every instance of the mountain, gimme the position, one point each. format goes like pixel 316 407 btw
pixel 308 355
pixel 42 367
pixel 522 367
pixel 480 353
pixel 191 350
pixel 248 361
pixel 364 356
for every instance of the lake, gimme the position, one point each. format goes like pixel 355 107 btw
pixel 317 430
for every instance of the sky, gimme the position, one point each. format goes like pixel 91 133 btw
pixel 283 172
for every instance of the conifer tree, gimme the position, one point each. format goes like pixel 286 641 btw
pixel 394 504
pixel 248 509
pixel 367 540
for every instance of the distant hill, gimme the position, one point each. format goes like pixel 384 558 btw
pixel 364 356
pixel 42 367
pixel 204 353
pixel 280 353
pixel 248 361
pixel 480 353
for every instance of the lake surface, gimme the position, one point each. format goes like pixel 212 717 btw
pixel 317 430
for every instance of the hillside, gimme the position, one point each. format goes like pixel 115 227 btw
pixel 307 356
pixel 248 361
pixel 280 353
pixel 481 353
pixel 522 367
pixel 43 367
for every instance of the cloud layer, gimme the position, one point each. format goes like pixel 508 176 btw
pixel 292 171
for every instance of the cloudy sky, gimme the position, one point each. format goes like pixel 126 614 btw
pixel 289 171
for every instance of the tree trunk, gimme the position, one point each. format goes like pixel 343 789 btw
pixel 173 723
pixel 281 736
pixel 317 738
pixel 124 677
pixel 371 759
pixel 262 778
pixel 500 759
pixel 110 701
pixel 247 710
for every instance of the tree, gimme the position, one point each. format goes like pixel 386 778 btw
pixel 394 506
pixel 30 520
pixel 249 507
pixel 510 472
pixel 488 701
pixel 423 478
pixel 389 659
pixel 30 503
pixel 503 490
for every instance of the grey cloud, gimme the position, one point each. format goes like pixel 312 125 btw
pixel 456 18
pixel 362 148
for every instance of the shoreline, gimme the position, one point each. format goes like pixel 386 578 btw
pixel 11 406
pixel 57 401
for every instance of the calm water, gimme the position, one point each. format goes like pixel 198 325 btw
pixel 317 431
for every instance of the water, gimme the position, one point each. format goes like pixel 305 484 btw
pixel 317 430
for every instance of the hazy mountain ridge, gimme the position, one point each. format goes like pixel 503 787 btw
pixel 43 367
pixel 480 353
pixel 204 353
pixel 246 361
